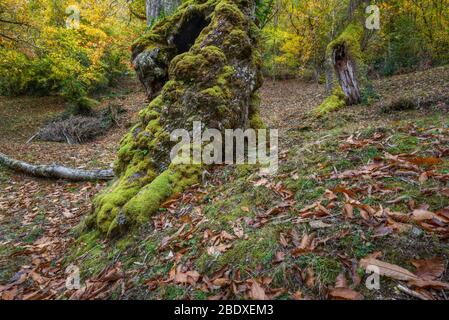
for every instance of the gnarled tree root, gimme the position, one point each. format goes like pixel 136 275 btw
pixel 201 64
pixel 55 171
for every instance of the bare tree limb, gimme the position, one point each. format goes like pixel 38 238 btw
pixel 55 171
pixel 411 292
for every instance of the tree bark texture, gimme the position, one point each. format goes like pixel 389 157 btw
pixel 200 64
pixel 345 69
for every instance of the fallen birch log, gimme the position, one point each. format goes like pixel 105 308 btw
pixel 55 171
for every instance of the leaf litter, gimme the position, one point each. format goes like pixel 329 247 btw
pixel 308 230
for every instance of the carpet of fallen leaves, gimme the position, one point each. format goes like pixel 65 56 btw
pixel 356 190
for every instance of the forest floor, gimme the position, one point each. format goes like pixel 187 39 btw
pixel 366 185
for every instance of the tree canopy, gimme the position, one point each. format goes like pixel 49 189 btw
pixel 64 47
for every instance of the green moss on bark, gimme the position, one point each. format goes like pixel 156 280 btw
pixel 351 39
pixel 147 201
pixel 331 103
pixel 213 82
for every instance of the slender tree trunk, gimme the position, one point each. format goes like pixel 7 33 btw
pixel 328 66
pixel 155 8
pixel 329 72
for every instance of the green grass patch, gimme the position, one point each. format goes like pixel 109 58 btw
pixel 403 143
pixel 259 248
pixel 326 268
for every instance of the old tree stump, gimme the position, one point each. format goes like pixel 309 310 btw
pixel 200 64
pixel 345 69
pixel 344 55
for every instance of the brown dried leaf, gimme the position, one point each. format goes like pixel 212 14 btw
pixel 221 282
pixel 422 215
pixel 216 250
pixel 190 277
pixel 10 294
pixel 429 284
pixel 282 240
pixel 344 294
pixel 398 216
pixel 322 209
pixel 430 161
pixel 279 257
pixel 307 245
pixel 256 292
pixel 298 295
pixel 310 278
pixel 349 211
pixel 429 269
pixel 319 224
pixel 423 177
pixel 387 269
pixel 348 192
pixel 341 282
pixel 444 214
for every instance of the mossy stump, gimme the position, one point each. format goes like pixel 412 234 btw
pixel 345 68
pixel 344 54
pixel 200 64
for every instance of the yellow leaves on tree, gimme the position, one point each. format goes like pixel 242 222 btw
pixel 64 47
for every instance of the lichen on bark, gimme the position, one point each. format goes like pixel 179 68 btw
pixel 200 64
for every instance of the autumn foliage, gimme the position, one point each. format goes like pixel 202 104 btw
pixel 64 48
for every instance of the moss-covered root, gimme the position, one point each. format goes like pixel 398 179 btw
pixel 125 205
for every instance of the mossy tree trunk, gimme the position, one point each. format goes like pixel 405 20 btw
pixel 200 64
pixel 346 82
pixel 344 67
